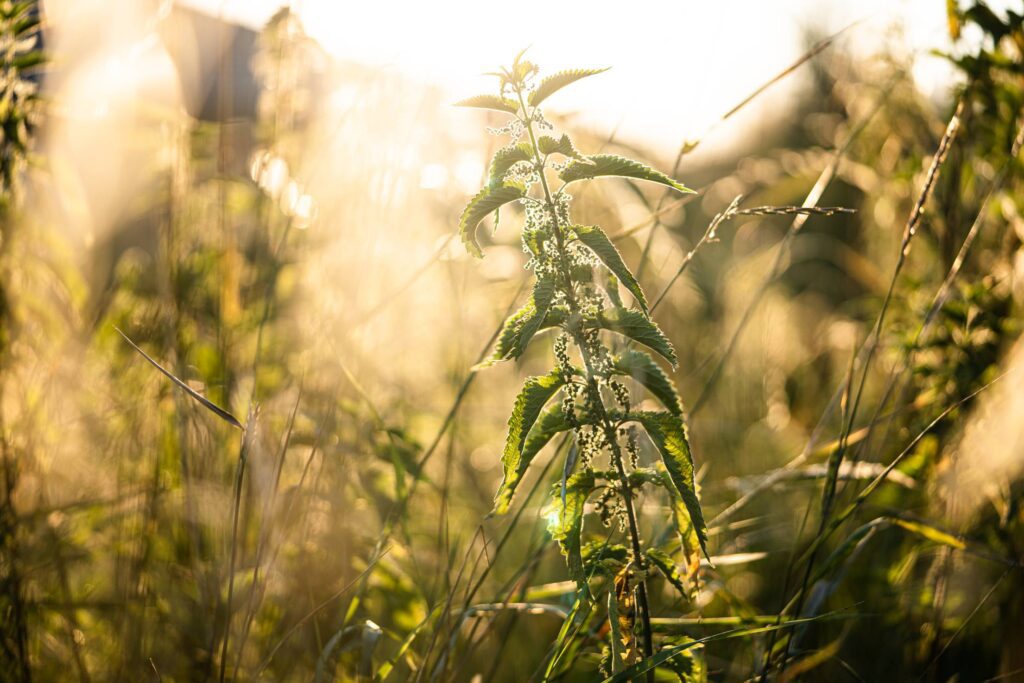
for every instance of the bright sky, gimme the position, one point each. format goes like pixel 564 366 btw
pixel 718 52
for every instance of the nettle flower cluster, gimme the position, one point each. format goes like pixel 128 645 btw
pixel 576 294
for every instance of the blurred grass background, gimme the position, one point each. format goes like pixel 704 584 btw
pixel 275 226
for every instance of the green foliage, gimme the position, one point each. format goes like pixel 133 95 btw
pixel 567 526
pixel 563 145
pixel 19 99
pixel 661 561
pixel 565 295
pixel 504 159
pixel 490 102
pixel 555 82
pixel 360 506
pixel 597 241
pixel 520 327
pixel 531 400
pixel 488 200
pixel 668 433
pixel 639 328
pixel 599 165
pixel 642 368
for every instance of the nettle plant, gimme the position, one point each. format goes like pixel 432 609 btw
pixel 576 294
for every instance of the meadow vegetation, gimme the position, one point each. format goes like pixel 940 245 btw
pixel 746 414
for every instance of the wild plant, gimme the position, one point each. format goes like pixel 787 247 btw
pixel 576 294
pixel 19 109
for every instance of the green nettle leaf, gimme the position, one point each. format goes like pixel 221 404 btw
pixel 520 327
pixel 597 241
pixel 555 82
pixel 611 288
pixel 638 327
pixel 535 393
pixel 686 530
pixel 547 426
pixel 552 422
pixel 688 664
pixel 543 292
pixel 511 331
pixel 613 165
pixel 668 433
pixel 521 70
pixel 563 146
pixel 505 158
pixel 488 199
pixel 567 529
pixel 601 557
pixel 667 566
pixel 490 102
pixel 643 369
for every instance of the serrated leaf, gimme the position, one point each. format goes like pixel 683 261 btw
pixel 687 532
pixel 597 241
pixel 536 392
pixel 543 292
pixel 689 664
pixel 611 288
pixel 505 158
pixel 667 566
pixel 668 433
pixel 490 102
pixel 563 146
pixel 508 340
pixel 643 369
pixel 486 201
pixel 552 422
pixel 601 557
pixel 523 70
pixel 520 327
pixel 599 165
pixel 567 529
pixel 638 327
pixel 546 427
pixel 555 82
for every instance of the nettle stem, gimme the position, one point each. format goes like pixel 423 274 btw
pixel 609 427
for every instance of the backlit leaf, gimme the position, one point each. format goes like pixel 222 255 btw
pixel 643 369
pixel 668 433
pixel 638 327
pixel 546 427
pixel 597 241
pixel 535 393
pixel 599 165
pixel 567 529
pixel 543 292
pixel 488 199
pixel 490 102
pixel 505 158
pixel 929 532
pixel 563 145
pixel 555 82
pixel 520 327
pixel 667 567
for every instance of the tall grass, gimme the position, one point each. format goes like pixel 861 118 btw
pixel 842 298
